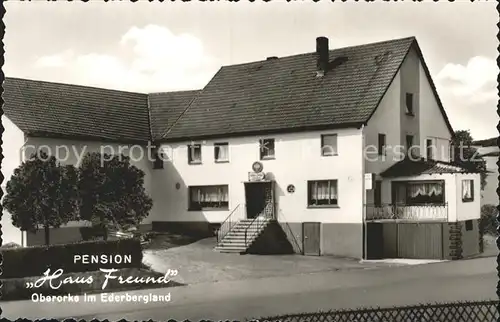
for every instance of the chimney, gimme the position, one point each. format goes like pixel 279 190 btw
pixel 322 56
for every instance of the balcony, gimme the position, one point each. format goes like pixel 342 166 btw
pixel 421 212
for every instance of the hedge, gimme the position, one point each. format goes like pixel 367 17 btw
pixel 488 222
pixel 35 260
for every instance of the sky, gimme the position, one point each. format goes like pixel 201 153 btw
pixel 156 47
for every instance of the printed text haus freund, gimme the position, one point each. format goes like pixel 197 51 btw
pixel 309 153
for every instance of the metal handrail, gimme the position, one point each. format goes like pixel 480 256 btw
pixel 261 222
pixel 227 225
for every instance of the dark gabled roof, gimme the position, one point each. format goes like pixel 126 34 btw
pixel 408 167
pixel 281 94
pixel 285 94
pixel 42 108
pixel 166 108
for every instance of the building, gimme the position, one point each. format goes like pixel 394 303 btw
pixel 343 152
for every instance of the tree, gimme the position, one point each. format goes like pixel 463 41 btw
pixel 112 192
pixel 468 156
pixel 43 193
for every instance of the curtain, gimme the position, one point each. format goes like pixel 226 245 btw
pixel 466 189
pixel 425 193
pixel 425 189
pixel 197 153
pixel 210 196
pixel 222 152
pixel 323 191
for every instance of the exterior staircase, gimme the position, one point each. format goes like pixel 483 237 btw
pixel 242 235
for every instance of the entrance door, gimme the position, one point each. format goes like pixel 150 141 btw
pixel 255 194
pixel 311 238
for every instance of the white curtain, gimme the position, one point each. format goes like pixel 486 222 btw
pixel 222 152
pixel 466 189
pixel 425 189
pixel 324 190
pixel 209 194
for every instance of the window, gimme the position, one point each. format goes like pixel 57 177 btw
pixel 221 152
pixel 409 103
pixel 409 143
pixel 378 193
pixel 194 154
pixel 329 145
pixel 266 149
pixel 208 197
pixel 467 190
pixel 381 144
pixel 468 225
pixel 322 193
pixel 418 192
pixel 428 147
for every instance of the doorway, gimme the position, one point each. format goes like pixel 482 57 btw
pixel 311 238
pixel 255 196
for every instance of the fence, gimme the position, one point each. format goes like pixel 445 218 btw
pixel 483 311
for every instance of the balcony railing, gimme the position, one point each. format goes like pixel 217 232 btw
pixel 407 212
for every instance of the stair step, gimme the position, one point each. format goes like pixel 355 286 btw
pixel 239 246
pixel 245 230
pixel 240 228
pixel 231 249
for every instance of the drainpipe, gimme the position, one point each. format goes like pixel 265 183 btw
pixel 365 242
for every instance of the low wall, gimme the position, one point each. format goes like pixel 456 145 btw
pixel 64 235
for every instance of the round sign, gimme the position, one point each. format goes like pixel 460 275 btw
pixel 257 167
pixel 290 188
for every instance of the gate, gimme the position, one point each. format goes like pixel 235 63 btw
pixel 419 240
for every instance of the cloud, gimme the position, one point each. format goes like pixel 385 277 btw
pixel 470 96
pixel 159 60
pixel 476 81
pixel 57 60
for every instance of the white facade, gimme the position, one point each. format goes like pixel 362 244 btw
pixel 298 159
pixel 12 141
pixel 392 120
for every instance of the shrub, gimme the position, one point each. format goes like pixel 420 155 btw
pixel 488 221
pixel 42 194
pixel 10 245
pixel 34 261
